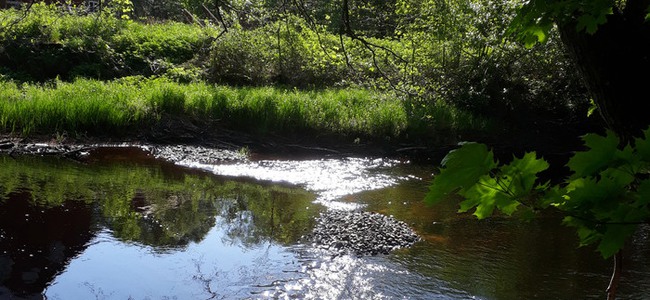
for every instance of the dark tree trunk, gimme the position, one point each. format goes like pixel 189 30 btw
pixel 615 65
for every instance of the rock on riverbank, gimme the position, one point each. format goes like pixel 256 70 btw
pixel 361 233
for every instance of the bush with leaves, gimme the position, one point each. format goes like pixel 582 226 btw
pixel 286 52
pixel 49 42
pixel 464 59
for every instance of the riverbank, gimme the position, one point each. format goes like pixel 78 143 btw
pixel 554 143
pixel 270 121
pixel 264 119
pixel 268 146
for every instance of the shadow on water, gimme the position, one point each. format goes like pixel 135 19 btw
pixel 124 225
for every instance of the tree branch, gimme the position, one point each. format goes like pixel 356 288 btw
pixel 346 29
pixel 616 276
pixel 25 13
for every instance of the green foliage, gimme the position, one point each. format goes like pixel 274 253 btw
pixel 243 57
pixel 462 169
pixel 606 193
pixel 289 52
pixel 48 43
pixel 429 51
pixel 605 198
pixel 462 57
pixel 169 10
pixel 121 8
pixel 171 41
pixel 535 19
pixel 472 173
pixel 446 60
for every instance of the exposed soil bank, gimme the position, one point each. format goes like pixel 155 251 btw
pixel 178 131
pixel 553 143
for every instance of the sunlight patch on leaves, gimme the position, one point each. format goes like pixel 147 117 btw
pixel 462 168
pixel 485 196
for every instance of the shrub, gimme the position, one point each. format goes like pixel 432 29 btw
pixel 49 43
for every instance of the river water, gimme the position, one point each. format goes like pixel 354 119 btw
pixel 122 224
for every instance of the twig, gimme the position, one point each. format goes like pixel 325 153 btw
pixel 218 18
pixel 616 276
pixel 25 12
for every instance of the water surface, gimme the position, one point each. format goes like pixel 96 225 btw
pixel 123 225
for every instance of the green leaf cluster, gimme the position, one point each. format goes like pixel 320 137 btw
pixel 472 173
pixel 607 195
pixel 604 199
pixel 536 18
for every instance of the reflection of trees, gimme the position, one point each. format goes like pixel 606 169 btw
pixel 36 242
pixel 251 215
pixel 137 203
pixel 159 217
pixel 145 205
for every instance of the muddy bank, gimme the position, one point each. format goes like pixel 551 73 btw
pixel 16 146
pixel 179 130
pixel 171 153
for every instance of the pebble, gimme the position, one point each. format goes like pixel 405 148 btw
pixel 361 233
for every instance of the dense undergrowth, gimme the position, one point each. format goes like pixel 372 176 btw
pixel 67 70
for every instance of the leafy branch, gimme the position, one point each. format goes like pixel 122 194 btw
pixel 605 197
pixel 346 29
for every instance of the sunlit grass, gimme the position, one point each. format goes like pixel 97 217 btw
pixel 117 107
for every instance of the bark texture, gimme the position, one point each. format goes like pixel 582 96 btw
pixel 615 63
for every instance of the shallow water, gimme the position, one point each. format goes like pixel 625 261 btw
pixel 123 225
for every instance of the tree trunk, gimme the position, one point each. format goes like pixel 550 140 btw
pixel 614 63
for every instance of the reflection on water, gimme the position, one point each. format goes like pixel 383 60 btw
pixel 32 251
pixel 122 225
pixel 502 258
pixel 115 228
pixel 331 179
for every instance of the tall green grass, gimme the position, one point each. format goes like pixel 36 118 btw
pixel 125 105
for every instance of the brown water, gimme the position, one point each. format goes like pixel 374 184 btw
pixel 123 225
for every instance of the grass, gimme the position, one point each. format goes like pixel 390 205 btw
pixel 121 106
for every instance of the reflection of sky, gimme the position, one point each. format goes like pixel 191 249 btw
pixel 351 277
pixel 329 178
pixel 110 269
pixel 218 269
